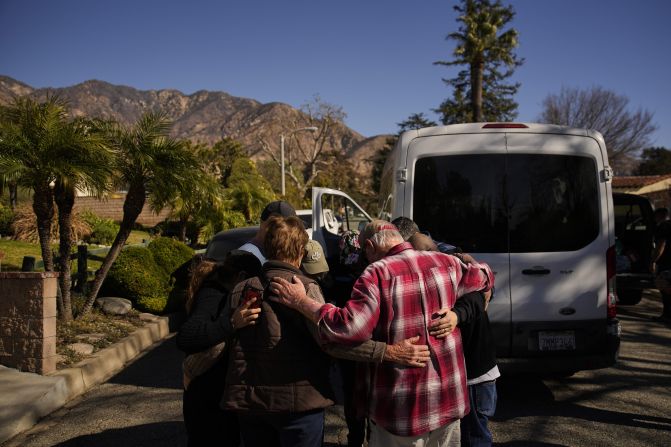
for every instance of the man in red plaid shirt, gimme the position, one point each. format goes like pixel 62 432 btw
pixel 397 297
pixel 400 295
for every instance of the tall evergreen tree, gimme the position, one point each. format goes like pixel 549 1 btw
pixel 655 161
pixel 480 92
pixel 414 121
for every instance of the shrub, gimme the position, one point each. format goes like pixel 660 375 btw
pixel 154 304
pixel 172 228
pixel 103 231
pixel 136 276
pixel 229 220
pixel 169 253
pixel 6 217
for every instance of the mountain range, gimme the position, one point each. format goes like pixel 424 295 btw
pixel 204 116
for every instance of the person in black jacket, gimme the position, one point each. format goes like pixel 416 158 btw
pixel 481 368
pixel 203 338
pixel 470 315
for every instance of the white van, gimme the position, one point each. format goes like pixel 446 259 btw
pixel 534 202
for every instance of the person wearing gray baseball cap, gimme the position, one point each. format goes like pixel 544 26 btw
pixel 314 262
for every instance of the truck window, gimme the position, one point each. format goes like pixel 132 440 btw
pixel 341 214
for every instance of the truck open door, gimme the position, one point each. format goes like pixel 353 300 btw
pixel 333 213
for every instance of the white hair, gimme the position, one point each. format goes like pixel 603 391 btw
pixel 387 238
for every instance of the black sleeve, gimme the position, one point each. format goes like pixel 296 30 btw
pixel 663 231
pixel 206 325
pixel 469 307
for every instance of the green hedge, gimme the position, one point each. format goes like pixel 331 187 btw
pixel 6 217
pixel 136 275
pixel 103 231
pixel 169 253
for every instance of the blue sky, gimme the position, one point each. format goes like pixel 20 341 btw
pixel 374 58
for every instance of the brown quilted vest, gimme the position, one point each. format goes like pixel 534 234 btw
pixel 276 365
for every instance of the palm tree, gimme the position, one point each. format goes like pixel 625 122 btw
pixel 87 166
pixel 248 192
pixel 150 165
pixel 200 199
pixel 30 135
pixel 41 149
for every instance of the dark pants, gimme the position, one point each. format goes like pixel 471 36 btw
pixel 474 430
pixel 203 419
pixel 666 302
pixel 356 426
pixel 282 429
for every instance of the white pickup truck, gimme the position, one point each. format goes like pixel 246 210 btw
pixel 333 212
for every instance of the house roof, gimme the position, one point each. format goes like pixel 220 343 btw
pixel 642 183
pixel 638 181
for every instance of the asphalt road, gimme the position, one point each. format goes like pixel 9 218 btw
pixel 627 405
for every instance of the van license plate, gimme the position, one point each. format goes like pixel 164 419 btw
pixel 556 341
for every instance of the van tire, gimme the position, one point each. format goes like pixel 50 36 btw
pixel 629 297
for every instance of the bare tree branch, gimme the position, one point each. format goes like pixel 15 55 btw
pixel 625 132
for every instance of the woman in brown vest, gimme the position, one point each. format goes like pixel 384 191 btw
pixel 278 376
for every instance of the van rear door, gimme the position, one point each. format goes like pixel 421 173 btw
pixel 559 236
pixel 455 190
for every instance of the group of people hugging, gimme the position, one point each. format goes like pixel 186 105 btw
pixel 398 327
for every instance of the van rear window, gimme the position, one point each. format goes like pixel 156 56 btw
pixel 495 203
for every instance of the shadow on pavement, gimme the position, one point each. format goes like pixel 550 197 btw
pixel 166 434
pixel 527 395
pixel 159 368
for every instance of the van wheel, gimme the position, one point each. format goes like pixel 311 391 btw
pixel 629 297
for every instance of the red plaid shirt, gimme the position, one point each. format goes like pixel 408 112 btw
pixel 394 299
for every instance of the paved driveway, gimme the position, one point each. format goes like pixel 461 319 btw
pixel 628 405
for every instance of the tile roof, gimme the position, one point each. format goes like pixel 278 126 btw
pixel 638 181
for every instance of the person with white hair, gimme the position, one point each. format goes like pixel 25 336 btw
pixel 398 296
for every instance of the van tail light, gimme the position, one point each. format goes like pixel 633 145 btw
pixel 611 304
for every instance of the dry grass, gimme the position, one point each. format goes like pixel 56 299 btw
pixel 24 226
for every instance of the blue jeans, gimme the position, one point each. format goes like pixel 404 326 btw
pixel 282 429
pixel 474 430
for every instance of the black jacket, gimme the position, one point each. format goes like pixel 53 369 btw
pixel 476 334
pixel 205 326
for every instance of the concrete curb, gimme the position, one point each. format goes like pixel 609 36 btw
pixel 29 397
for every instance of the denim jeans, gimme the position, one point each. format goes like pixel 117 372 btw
pixel 282 429
pixel 474 430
